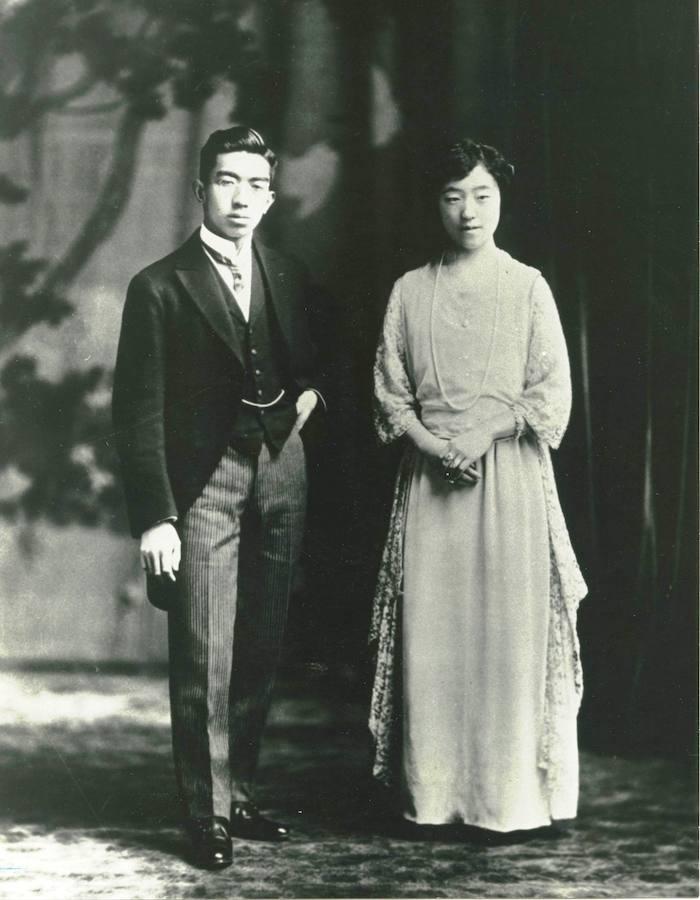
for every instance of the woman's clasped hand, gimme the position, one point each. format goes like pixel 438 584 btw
pixel 460 460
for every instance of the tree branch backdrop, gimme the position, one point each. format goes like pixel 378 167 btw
pixel 103 108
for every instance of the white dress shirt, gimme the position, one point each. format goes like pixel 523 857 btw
pixel 242 258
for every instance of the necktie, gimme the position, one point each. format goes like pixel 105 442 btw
pixel 232 266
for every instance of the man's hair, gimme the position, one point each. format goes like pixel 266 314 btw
pixel 240 139
pixel 455 162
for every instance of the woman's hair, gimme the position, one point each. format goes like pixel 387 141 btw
pixel 455 161
pixel 239 138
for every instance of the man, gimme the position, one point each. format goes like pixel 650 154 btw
pixel 215 377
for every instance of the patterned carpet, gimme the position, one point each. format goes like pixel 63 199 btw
pixel 88 810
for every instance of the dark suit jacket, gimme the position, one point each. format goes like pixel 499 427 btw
pixel 180 371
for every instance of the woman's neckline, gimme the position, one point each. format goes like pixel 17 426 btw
pixel 454 261
pixel 476 273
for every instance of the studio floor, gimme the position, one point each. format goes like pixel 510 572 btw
pixel 89 810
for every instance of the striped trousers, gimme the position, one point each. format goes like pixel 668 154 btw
pixel 240 544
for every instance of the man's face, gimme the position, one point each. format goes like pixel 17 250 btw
pixel 237 194
pixel 470 209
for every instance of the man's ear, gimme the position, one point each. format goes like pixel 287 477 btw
pixel 198 189
pixel 271 199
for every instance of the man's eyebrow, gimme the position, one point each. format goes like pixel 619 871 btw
pixel 222 173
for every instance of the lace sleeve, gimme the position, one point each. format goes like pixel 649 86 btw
pixel 394 399
pixel 545 403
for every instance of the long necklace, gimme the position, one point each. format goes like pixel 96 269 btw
pixel 492 344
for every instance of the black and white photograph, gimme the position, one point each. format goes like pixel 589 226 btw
pixel 348 449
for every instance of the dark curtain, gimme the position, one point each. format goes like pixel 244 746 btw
pixel 595 103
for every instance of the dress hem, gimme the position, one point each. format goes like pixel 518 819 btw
pixel 458 820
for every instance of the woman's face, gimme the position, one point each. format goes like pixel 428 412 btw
pixel 470 209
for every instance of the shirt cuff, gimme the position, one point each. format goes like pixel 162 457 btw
pixel 320 397
pixel 172 519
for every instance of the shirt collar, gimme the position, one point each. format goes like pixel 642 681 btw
pixel 224 246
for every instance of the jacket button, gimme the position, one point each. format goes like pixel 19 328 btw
pixel 254 351
pixel 258 372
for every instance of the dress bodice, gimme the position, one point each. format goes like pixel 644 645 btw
pixel 467 353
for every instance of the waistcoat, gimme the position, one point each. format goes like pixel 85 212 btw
pixel 266 373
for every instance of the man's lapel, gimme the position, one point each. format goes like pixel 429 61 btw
pixel 273 268
pixel 199 279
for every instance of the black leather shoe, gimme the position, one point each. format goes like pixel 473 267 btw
pixel 249 824
pixel 211 842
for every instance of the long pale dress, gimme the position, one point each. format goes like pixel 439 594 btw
pixel 477 587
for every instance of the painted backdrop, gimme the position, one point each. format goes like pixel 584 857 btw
pixel 102 111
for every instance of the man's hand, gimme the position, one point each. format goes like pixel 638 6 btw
pixel 305 406
pixel 160 550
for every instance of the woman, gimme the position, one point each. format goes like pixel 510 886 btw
pixel 478 679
